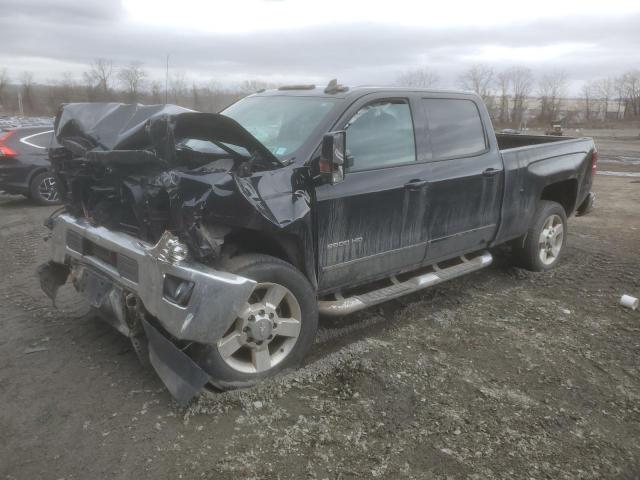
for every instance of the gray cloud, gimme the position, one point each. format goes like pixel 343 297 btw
pixel 68 11
pixel 69 34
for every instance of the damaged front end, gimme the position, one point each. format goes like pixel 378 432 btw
pixel 151 196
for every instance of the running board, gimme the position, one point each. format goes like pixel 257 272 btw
pixel 344 306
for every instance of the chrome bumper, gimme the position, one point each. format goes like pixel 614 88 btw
pixel 131 265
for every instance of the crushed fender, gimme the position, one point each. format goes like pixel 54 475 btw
pixel 144 170
pixel 149 171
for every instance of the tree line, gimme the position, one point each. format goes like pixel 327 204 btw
pixel 514 96
pixel 103 81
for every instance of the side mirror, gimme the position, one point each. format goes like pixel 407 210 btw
pixel 332 158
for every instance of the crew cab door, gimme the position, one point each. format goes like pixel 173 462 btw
pixel 466 177
pixel 372 223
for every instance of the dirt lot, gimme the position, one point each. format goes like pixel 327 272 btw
pixel 500 374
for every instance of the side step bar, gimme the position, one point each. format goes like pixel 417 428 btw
pixel 344 306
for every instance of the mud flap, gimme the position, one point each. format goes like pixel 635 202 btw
pixel 182 377
pixel 52 276
pixel 587 205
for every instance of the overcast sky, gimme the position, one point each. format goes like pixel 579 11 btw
pixel 368 42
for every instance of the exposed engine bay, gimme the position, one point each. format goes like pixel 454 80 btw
pixel 145 170
pixel 152 194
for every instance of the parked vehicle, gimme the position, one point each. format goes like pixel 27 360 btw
pixel 24 164
pixel 554 129
pixel 216 240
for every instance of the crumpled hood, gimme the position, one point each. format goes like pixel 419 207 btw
pixel 118 126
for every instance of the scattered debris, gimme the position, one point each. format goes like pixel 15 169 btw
pixel 29 350
pixel 629 302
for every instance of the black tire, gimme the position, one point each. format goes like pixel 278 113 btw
pixel 40 192
pixel 527 250
pixel 264 268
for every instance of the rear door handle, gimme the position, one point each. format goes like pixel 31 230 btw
pixel 415 184
pixel 490 172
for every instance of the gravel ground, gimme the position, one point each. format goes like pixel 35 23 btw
pixel 500 374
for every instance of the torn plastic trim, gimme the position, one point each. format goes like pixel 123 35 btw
pixel 52 276
pixel 214 301
pixel 182 376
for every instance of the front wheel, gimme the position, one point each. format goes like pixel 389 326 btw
pixel 544 242
pixel 273 331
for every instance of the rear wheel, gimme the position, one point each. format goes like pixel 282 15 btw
pixel 43 189
pixel 544 243
pixel 273 331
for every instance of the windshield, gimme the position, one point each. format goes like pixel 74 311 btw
pixel 280 123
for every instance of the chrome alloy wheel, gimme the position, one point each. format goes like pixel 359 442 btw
pixel 550 241
pixel 265 331
pixel 47 189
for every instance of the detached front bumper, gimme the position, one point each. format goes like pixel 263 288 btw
pixel 191 301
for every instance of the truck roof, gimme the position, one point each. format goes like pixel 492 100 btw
pixel 348 92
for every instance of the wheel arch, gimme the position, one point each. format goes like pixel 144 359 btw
pixel 564 192
pixel 287 247
pixel 34 173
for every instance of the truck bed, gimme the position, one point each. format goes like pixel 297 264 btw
pixel 533 162
pixel 507 141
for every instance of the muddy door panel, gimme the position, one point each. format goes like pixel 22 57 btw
pixel 463 210
pixel 370 224
pixel 466 178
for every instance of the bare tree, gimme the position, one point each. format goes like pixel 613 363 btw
pixel 605 89
pixel 196 97
pixel 98 78
pixel 478 78
pixel 620 91
pixel 587 96
pixel 132 79
pixel 208 93
pixel 521 80
pixel 26 86
pixel 4 83
pixel 631 92
pixel 157 95
pixel 65 90
pixel 178 87
pixel 504 86
pixel 216 98
pixel 421 78
pixel 552 87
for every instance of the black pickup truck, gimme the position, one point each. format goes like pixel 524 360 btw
pixel 214 241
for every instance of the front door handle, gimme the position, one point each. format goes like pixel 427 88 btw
pixel 415 184
pixel 490 172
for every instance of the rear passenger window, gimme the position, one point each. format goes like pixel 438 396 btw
pixel 455 128
pixel 381 134
pixel 41 140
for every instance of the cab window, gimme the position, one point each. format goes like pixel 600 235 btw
pixel 455 128
pixel 381 134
